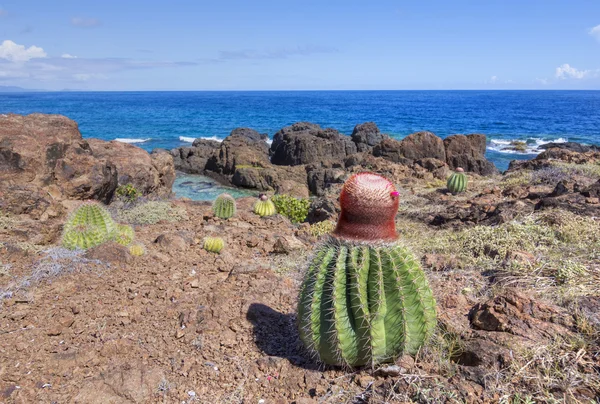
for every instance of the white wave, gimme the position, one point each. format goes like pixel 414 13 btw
pixel 191 139
pixel 532 145
pixel 269 141
pixel 125 140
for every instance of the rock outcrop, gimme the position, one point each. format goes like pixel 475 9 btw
pixel 192 160
pixel 44 159
pixel 366 135
pixel 468 152
pixel 416 146
pixel 308 143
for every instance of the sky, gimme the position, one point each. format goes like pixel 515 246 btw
pixel 300 45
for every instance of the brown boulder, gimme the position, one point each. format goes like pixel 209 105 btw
pixel 149 173
pixel 468 152
pixel 46 157
pixel 39 150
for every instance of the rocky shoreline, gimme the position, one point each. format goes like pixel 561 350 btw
pixel 512 262
pixel 305 159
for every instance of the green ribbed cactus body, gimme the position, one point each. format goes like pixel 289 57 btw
pixel 137 250
pixel 264 208
pixel 224 206
pixel 213 244
pixel 457 182
pixel 364 303
pixel 88 226
pixel 83 236
pixel 124 234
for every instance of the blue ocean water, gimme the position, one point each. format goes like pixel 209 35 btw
pixel 173 119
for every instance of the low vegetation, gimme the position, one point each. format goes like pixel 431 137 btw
pixel 295 209
pixel 151 212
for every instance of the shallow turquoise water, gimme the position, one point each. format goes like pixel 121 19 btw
pixel 201 188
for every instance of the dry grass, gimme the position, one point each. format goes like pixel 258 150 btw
pixel 151 212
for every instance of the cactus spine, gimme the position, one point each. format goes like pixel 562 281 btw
pixel 124 234
pixel 224 206
pixel 264 206
pixel 88 226
pixel 213 244
pixel 457 182
pixel 137 250
pixel 365 299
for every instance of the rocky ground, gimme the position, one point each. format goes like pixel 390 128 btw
pixel 514 264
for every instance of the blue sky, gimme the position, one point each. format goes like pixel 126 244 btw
pixel 300 45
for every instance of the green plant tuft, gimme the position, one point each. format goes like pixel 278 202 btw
pixel 264 207
pixel 457 182
pixel 293 208
pixel 213 244
pixel 128 193
pixel 224 206
pixel 88 226
pixel 124 234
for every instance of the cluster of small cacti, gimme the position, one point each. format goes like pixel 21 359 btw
pixel 91 225
pixel 213 244
pixel 365 299
pixel 457 182
pixel 224 206
pixel 264 206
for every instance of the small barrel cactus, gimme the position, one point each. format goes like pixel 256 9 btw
pixel 124 234
pixel 213 244
pixel 224 206
pixel 457 182
pixel 365 299
pixel 137 250
pixel 88 226
pixel 264 206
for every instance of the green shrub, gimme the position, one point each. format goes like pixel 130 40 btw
pixel 128 193
pixel 152 212
pixel 293 208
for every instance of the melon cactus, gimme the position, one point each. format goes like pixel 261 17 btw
pixel 137 250
pixel 88 226
pixel 124 234
pixel 264 206
pixel 365 299
pixel 457 182
pixel 213 244
pixel 224 206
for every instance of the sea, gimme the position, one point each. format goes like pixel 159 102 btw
pixel 172 119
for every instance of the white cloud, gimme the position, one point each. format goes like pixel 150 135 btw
pixel 542 81
pixel 493 79
pixel 567 72
pixel 18 53
pixel 68 56
pixel 595 32
pixel 85 22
